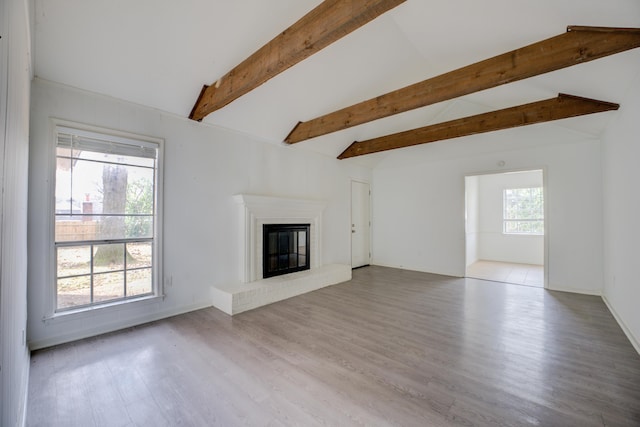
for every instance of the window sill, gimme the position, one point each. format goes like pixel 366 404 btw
pixel 86 312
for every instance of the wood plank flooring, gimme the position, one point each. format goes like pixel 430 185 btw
pixel 390 347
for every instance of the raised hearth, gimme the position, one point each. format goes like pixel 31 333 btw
pixel 238 297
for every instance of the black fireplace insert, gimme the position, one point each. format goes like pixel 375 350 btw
pixel 285 249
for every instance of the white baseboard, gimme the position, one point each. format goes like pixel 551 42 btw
pixel 114 326
pixel 419 270
pixel 559 288
pixel 634 341
pixel 574 290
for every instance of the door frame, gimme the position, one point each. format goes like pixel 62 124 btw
pixel 351 222
pixel 545 193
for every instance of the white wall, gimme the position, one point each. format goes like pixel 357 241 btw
pixel 15 76
pixel 621 154
pixel 419 202
pixel 472 218
pixel 493 244
pixel 204 167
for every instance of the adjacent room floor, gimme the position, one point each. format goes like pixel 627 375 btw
pixel 519 274
pixel 390 347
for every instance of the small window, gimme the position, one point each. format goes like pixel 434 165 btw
pixel 106 218
pixel 523 211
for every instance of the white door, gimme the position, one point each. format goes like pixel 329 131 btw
pixel 360 224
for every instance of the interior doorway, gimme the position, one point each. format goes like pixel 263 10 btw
pixel 505 227
pixel 360 224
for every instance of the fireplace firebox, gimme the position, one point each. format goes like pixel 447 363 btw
pixel 285 249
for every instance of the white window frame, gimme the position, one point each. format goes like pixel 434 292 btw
pixel 505 220
pixel 63 126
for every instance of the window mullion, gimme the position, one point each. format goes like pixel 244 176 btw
pixel 91 275
pixel 124 273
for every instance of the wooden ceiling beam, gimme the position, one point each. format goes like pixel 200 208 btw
pixel 561 107
pixel 579 44
pixel 328 22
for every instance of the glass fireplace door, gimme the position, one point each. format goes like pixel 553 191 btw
pixel 285 249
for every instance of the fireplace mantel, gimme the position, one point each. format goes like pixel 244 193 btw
pixel 258 210
pixel 254 291
pixel 272 207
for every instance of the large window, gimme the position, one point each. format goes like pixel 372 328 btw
pixel 523 211
pixel 106 218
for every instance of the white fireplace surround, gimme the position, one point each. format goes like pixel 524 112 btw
pixel 254 291
pixel 260 210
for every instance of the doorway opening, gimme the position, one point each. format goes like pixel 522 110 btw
pixel 505 227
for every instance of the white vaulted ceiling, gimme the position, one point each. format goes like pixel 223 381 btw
pixel 160 53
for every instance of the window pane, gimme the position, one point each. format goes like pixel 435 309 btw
pixel 113 186
pixel 108 257
pixel 140 255
pixel 86 183
pixel 105 191
pixel 73 228
pixel 111 227
pixel 64 204
pixel 538 227
pixel 109 188
pixel 139 227
pixel 523 210
pixel 77 228
pixel 526 227
pixel 74 261
pixel 139 191
pixel 523 203
pixel 509 227
pixel 120 227
pixel 74 291
pixel 139 282
pixel 108 286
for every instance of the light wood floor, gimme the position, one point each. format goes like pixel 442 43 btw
pixel 508 272
pixel 390 347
